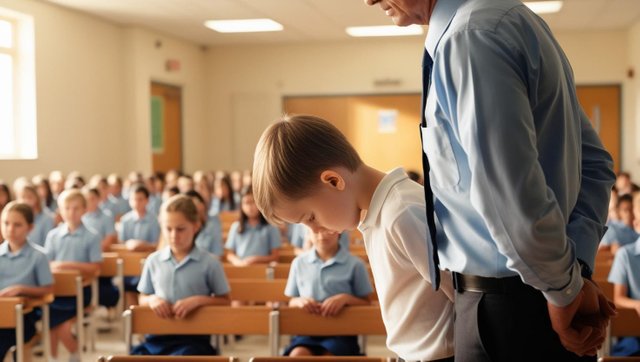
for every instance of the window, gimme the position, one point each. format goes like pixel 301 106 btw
pixel 18 136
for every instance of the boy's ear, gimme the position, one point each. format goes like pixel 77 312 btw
pixel 333 179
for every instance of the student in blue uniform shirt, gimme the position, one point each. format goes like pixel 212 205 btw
pixel 44 220
pixel 620 232
pixel 71 246
pixel 140 231
pixel 104 225
pixel 322 281
pixel 625 277
pixel 180 278
pixel 117 203
pixel 252 240
pixel 223 197
pixel 155 194
pixel 301 235
pixel 24 268
pixel 209 236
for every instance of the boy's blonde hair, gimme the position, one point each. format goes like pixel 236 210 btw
pixel 291 155
pixel 71 195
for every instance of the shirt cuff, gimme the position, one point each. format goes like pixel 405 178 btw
pixel 566 295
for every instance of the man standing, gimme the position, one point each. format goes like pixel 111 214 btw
pixel 520 181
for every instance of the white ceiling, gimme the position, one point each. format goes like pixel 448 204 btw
pixel 311 20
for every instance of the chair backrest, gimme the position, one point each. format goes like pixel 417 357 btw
pixel 350 321
pixel 167 358
pixel 257 271
pixel 65 283
pixel 625 323
pixel 281 270
pixel 132 263
pixel 204 320
pixel 109 264
pixel 601 269
pixel 258 290
pixel 322 359
pixel 8 311
pixel 226 219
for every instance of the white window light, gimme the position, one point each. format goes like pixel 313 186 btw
pixel 243 26
pixel 385 30
pixel 544 7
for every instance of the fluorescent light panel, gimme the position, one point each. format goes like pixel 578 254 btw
pixel 243 26
pixel 544 7
pixel 385 30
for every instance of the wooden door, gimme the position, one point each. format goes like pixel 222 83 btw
pixel 602 105
pixel 166 127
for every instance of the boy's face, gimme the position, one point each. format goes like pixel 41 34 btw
pixel 138 201
pixel 332 206
pixel 324 239
pixel 625 213
pixel 72 211
pixel 92 201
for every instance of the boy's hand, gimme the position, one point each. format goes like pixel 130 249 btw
pixel 183 307
pixel 307 304
pixel 12 291
pixel 160 307
pixel 581 325
pixel 333 305
pixel 249 260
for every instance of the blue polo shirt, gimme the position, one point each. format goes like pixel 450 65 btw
pixel 254 241
pixel 197 274
pixel 100 222
pixel 210 237
pixel 146 228
pixel 310 277
pixel 620 233
pixel 626 269
pixel 82 245
pixel 118 205
pixel 42 224
pixel 29 266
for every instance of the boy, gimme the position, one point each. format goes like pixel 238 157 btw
pixel 71 246
pixel 620 233
pixel 116 202
pixel 306 171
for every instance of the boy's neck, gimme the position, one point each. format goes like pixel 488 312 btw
pixel 366 180
pixel 141 214
pixel 327 253
pixel 16 246
pixel 72 226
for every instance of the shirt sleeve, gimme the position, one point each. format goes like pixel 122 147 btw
pixel 43 271
pixel 291 290
pixel 122 232
pixel 95 248
pixel 49 246
pixel 232 236
pixel 216 279
pixel 508 188
pixel 274 237
pixel 618 273
pixel 361 283
pixel 217 236
pixel 109 225
pixel 145 285
pixel 154 231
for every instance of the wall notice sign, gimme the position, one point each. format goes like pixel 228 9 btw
pixel 387 120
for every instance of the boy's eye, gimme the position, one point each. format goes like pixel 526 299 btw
pixel 312 217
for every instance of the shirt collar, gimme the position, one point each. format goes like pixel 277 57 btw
pixel 165 254
pixel 380 195
pixel 440 19
pixel 340 258
pixel 78 231
pixel 4 249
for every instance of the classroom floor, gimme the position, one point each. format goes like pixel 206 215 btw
pixel 111 342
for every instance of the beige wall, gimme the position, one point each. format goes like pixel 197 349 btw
pixel 633 151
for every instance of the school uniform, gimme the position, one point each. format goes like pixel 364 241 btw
pixel 197 274
pixel 29 266
pixel 146 228
pixel 298 232
pixel 619 233
pixel 155 202
pixel 82 245
pixel 103 224
pixel 626 271
pixel 118 205
pixel 217 206
pixel 43 222
pixel 210 236
pixel 310 277
pixel 257 240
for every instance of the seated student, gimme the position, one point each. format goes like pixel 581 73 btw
pixel 330 188
pixel 209 237
pixel 139 231
pixel 178 279
pixel 117 203
pixel 5 198
pixel 252 240
pixel 223 197
pixel 301 239
pixel 104 225
pixel 44 190
pixel 155 194
pixel 44 220
pixel 620 232
pixel 24 268
pixel 71 246
pixel 625 277
pixel 322 281
pixel 636 212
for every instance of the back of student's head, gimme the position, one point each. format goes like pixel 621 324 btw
pixel 247 197
pixel 291 155
pixel 20 207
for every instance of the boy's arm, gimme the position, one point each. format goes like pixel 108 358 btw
pixel 621 299
pixel 108 240
pixel 275 253
pixel 26 291
pixel 185 306
pixel 84 268
pixel 234 259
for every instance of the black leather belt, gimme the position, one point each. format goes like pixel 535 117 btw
pixel 474 283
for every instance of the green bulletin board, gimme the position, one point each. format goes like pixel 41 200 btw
pixel 157 124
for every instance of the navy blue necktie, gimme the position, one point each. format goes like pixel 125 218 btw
pixel 432 246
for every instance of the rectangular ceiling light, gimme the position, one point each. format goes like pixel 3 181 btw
pixel 243 26
pixel 544 7
pixel 385 30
